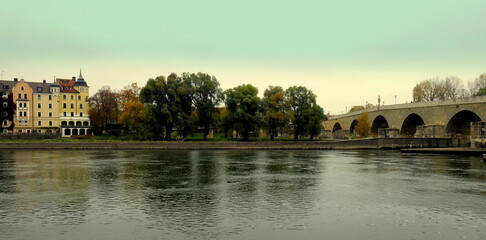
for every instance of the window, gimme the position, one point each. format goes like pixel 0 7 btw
pixel 79 97
pixel 39 123
pixel 20 130
pixel 5 86
pixel 20 95
pixel 5 104
pixel 72 105
pixel 50 123
pixel 5 122
pixel 64 97
pixel 39 89
pixel 38 96
pixel 39 105
pixel 72 114
pixel 63 105
pixel 39 114
pixel 50 97
pixel 64 114
pixel 22 88
pixel 80 114
pixel 50 105
pixel 50 114
pixel 72 97
pixel 25 96
pixel 81 106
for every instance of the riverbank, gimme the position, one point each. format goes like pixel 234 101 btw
pixel 163 145
pixel 357 144
pixel 449 151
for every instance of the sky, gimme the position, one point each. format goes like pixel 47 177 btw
pixel 346 52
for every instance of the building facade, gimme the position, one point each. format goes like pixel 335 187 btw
pixel 46 108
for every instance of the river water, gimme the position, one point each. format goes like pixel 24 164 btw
pixel 240 195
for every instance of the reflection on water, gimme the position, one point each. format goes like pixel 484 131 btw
pixel 240 195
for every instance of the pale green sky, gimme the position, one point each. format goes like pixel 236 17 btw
pixel 347 52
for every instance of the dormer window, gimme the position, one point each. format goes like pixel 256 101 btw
pixel 39 89
pixel 22 88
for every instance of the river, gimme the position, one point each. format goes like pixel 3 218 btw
pixel 240 195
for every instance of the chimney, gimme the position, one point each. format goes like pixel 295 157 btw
pixel 74 78
pixel 16 79
pixel 43 81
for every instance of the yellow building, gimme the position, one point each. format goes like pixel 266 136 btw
pixel 45 107
pixel 73 107
pixel 22 97
pixel 40 107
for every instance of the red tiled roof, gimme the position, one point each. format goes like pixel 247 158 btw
pixel 66 85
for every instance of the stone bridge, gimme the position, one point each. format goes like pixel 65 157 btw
pixel 447 118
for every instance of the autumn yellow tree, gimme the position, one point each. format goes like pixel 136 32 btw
pixel 363 128
pixel 133 111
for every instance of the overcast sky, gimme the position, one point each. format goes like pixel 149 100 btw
pixel 346 52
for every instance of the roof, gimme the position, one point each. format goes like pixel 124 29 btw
pixel 37 87
pixel 40 87
pixel 6 85
pixel 67 85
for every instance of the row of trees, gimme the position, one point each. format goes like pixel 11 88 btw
pixel 448 88
pixel 194 101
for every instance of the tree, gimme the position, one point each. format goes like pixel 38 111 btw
pixel 315 118
pixel 356 108
pixel 363 127
pixel 168 103
pixel 206 95
pixel 453 88
pixel 129 93
pixel 437 89
pixel 104 107
pixel 428 90
pixel 478 86
pixel 299 100
pixel 481 92
pixel 133 116
pixel 244 107
pixel 274 109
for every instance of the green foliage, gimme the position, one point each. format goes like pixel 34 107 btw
pixel 168 104
pixel 315 117
pixel 302 105
pixel 481 92
pixel 275 110
pixel 244 109
pixel 206 95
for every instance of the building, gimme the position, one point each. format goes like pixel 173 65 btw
pixel 40 107
pixel 73 106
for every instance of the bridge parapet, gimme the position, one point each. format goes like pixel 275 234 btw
pixel 459 101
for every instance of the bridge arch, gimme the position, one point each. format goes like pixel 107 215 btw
pixel 378 122
pixel 336 127
pixel 353 126
pixel 459 124
pixel 409 126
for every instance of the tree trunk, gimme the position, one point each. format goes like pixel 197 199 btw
pixel 271 129
pixel 311 137
pixel 296 136
pixel 168 132
pixel 205 132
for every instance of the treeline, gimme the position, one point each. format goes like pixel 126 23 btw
pixel 179 105
pixel 448 88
